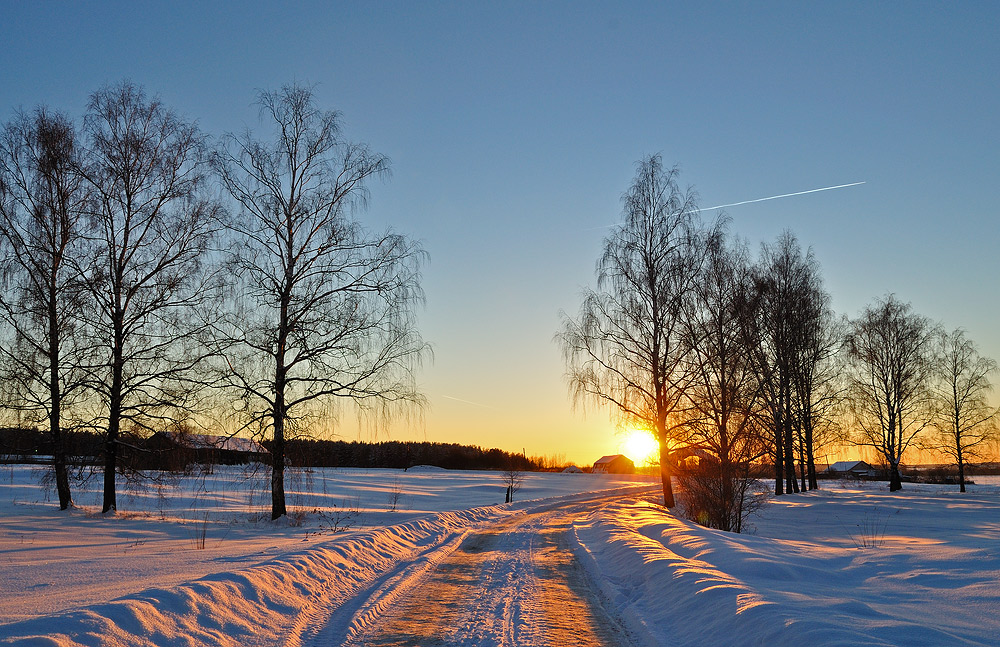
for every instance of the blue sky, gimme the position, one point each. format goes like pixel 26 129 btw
pixel 514 128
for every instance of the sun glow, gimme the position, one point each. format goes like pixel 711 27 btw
pixel 640 446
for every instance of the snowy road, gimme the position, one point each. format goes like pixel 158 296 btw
pixel 515 582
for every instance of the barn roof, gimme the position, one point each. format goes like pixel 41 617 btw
pixel 609 459
pixel 208 441
pixel 847 466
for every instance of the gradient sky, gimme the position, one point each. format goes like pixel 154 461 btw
pixel 514 128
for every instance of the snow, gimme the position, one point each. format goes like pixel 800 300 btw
pixel 60 561
pixel 806 576
pixel 850 564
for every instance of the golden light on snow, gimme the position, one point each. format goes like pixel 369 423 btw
pixel 640 446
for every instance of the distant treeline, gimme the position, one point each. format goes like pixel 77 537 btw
pixel 24 443
pixel 401 455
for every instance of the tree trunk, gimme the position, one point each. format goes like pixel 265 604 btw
pixel 802 458
pixel 665 472
pixel 111 456
pixel 59 453
pixel 279 413
pixel 961 473
pixel 55 422
pixel 278 468
pixel 779 459
pixel 114 428
pixel 895 482
pixel 810 454
pixel 791 485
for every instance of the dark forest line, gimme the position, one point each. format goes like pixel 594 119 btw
pixel 84 447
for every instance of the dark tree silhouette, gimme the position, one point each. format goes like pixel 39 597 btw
pixel 625 349
pixel 42 199
pixel 889 348
pixel 817 388
pixel 964 419
pixel 151 225
pixel 322 309
pixel 797 343
pixel 725 390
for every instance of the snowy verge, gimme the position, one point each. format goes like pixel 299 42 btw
pixel 251 606
pixel 672 582
pixel 272 603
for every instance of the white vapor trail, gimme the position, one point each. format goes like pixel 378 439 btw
pixel 475 404
pixel 783 195
pixel 770 197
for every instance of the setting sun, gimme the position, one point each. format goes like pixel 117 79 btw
pixel 640 446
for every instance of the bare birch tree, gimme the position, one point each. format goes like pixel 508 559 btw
pixel 725 390
pixel 152 225
pixel 964 419
pixel 323 309
pixel 817 384
pixel 889 347
pixel 795 356
pixel 41 244
pixel 780 281
pixel 625 349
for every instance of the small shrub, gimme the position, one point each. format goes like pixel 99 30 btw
pixel 870 531
pixel 339 518
pixel 395 495
pixel 720 497
pixel 201 533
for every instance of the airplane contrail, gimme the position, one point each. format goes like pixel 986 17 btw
pixel 783 195
pixel 770 197
pixel 475 404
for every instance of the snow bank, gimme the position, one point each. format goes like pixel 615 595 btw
pixel 246 588
pixel 675 583
pixel 809 575
pixel 253 605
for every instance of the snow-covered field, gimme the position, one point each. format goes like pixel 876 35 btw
pixel 174 532
pixel 197 562
pixel 847 565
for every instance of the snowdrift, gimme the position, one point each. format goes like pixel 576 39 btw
pixel 675 583
pixel 250 606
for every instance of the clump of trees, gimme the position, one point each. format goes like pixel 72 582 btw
pixel 736 364
pixel 134 299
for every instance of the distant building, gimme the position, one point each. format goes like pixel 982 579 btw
pixel 175 451
pixel 572 469
pixel 614 464
pixel 857 469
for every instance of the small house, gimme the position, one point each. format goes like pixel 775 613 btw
pixel 614 464
pixel 175 451
pixel 856 469
pixel 572 469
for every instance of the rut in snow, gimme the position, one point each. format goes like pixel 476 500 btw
pixel 513 583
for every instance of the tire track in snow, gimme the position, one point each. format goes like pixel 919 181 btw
pixel 514 583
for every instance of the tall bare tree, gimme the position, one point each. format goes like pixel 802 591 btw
pixel 798 344
pixel 41 234
pixel 625 349
pixel 725 390
pixel 324 309
pixel 889 347
pixel 780 281
pixel 964 418
pixel 817 386
pixel 152 225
